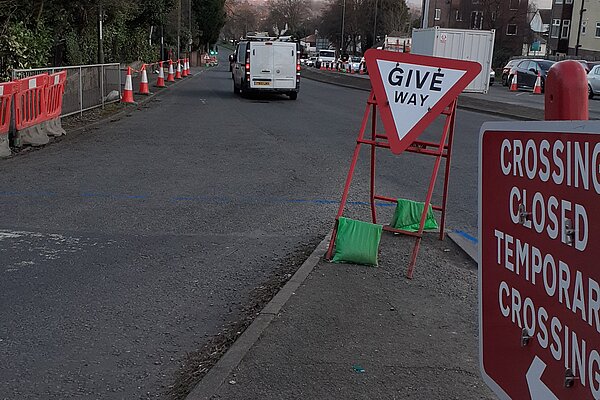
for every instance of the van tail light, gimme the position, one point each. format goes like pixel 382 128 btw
pixel 248 62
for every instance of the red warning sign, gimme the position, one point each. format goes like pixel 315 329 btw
pixel 412 90
pixel 539 279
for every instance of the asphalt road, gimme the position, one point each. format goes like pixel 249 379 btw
pixel 127 247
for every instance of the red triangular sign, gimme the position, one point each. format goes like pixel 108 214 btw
pixel 412 90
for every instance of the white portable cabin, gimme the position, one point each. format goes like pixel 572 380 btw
pixel 458 44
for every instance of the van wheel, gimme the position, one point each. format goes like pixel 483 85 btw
pixel 293 95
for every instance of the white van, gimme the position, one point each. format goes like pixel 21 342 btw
pixel 325 56
pixel 266 64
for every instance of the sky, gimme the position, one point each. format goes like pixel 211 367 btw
pixel 540 3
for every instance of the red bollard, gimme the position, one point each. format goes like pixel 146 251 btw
pixel 566 92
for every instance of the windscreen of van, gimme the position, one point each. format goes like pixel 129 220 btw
pixel 326 53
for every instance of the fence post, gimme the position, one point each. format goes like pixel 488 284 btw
pixel 102 83
pixel 119 73
pixel 80 92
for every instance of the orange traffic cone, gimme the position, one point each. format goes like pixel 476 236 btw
pixel 171 75
pixel 160 82
pixel 351 69
pixel 178 70
pixel 322 68
pixel 184 68
pixel 144 81
pixel 513 83
pixel 537 88
pixel 128 91
pixel 187 67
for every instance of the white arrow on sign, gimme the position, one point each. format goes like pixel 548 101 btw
pixel 538 389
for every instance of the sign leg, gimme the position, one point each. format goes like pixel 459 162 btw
pixel 373 162
pixel 340 212
pixel 436 168
pixel 447 173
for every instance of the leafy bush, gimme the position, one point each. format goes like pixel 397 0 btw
pixel 22 47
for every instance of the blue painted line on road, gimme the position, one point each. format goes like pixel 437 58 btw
pixel 27 194
pixel 467 236
pixel 219 200
pixel 114 196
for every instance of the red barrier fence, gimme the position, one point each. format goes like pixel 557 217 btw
pixel 54 99
pixel 54 93
pixel 38 103
pixel 6 92
pixel 30 102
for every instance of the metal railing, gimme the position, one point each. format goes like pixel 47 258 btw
pixel 87 87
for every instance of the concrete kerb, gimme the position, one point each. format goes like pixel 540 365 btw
pixel 215 378
pixel 128 108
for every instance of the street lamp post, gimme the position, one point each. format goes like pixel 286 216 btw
pixel 343 22
pixel 375 25
pixel 581 11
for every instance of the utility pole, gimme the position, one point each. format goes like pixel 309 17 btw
pixel 178 29
pixel 162 42
pixel 100 38
pixel 343 22
pixel 375 25
pixel 425 14
pixel 581 11
pixel 190 24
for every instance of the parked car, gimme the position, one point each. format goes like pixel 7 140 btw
pixel 355 63
pixel 506 70
pixel 593 79
pixel 585 65
pixel 527 72
pixel 311 62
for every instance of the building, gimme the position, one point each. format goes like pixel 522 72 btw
pixel 575 29
pixel 309 44
pixel 539 22
pixel 509 18
pixel 560 26
pixel 584 40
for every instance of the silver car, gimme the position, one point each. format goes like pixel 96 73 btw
pixel 593 78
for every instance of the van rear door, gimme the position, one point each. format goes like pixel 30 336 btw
pixel 284 65
pixel 261 65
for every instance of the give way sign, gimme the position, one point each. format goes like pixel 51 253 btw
pixel 539 272
pixel 412 90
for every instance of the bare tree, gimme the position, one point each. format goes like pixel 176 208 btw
pixel 242 17
pixel 288 12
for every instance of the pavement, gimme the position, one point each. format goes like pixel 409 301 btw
pixel 345 331
pixel 357 332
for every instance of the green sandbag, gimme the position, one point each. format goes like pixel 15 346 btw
pixel 357 242
pixel 408 216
